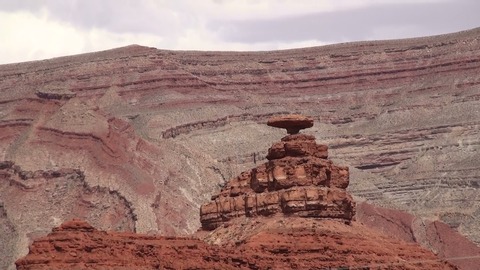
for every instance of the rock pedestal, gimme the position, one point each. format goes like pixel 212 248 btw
pixel 297 180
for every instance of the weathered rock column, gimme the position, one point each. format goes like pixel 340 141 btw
pixel 298 180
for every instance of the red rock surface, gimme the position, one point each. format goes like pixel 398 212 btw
pixel 433 235
pixel 297 146
pixel 300 243
pixel 297 180
pixel 77 245
pixel 47 198
pixel 294 243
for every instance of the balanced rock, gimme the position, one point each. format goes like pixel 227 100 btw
pixel 298 180
pixel 293 123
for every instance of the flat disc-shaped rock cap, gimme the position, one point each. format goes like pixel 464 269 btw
pixel 293 123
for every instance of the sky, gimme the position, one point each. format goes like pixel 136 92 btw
pixel 42 29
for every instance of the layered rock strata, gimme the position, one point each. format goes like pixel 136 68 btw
pixel 78 245
pixel 436 236
pixel 402 113
pixel 48 198
pixel 297 180
pixel 273 243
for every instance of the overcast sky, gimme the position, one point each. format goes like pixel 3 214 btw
pixel 39 29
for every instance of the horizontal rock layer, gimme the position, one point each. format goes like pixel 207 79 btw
pixel 277 244
pixel 297 146
pixel 47 198
pixel 297 180
pixel 312 202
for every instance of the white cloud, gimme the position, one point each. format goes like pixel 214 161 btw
pixel 201 39
pixel 27 37
pixel 33 36
pixel 35 29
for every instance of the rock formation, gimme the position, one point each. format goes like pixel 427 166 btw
pixel 290 213
pixel 294 243
pixel 55 94
pixel 434 235
pixel 292 123
pixel 77 245
pixel 298 180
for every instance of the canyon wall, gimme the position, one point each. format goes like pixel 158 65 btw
pixel 164 129
pixel 291 212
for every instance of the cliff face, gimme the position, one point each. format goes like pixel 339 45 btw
pixel 292 212
pixel 165 130
pixel 433 235
pixel 33 202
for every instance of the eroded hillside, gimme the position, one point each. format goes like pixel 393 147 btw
pixel 164 129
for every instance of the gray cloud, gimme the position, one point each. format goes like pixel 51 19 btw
pixel 379 21
pixel 171 19
pixel 113 15
pixel 30 5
